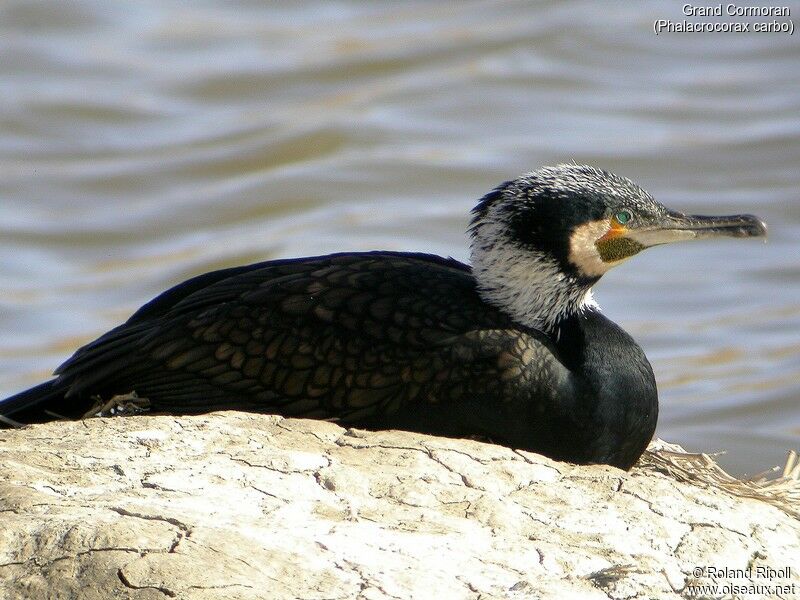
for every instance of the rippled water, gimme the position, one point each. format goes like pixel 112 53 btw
pixel 141 143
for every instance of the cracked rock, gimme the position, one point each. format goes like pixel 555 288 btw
pixel 243 506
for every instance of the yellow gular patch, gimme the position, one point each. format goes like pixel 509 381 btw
pixel 615 249
pixel 597 246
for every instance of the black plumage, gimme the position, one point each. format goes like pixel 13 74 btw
pixel 378 340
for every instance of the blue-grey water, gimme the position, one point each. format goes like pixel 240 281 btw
pixel 142 143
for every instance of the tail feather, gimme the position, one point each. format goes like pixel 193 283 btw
pixel 32 403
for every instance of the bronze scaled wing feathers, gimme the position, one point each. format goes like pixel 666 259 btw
pixel 351 337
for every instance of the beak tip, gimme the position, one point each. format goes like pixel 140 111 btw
pixel 758 228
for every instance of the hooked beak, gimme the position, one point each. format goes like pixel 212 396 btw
pixel 676 227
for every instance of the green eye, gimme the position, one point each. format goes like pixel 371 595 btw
pixel 623 216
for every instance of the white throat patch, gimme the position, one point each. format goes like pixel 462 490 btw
pixel 583 251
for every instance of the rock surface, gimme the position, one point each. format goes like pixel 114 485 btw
pixel 237 506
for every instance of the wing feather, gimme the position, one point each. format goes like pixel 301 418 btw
pixel 355 337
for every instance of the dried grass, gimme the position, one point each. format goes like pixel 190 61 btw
pixel 779 487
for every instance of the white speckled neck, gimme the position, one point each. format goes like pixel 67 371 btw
pixel 527 286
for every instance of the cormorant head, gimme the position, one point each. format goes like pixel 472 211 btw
pixel 539 242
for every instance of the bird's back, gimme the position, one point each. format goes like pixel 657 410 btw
pixel 367 338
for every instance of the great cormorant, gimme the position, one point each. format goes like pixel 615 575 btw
pixel 513 348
